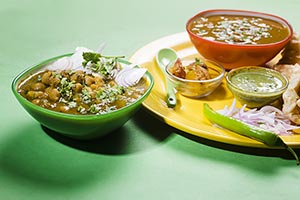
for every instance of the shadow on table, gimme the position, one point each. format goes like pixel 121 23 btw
pixel 260 152
pixel 143 131
pixel 29 156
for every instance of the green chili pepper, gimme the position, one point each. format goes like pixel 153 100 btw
pixel 269 138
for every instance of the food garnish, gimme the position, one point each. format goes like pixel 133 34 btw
pixel 267 137
pixel 268 118
pixel 85 83
pixel 129 75
pixel 104 65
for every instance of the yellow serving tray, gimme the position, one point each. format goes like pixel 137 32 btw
pixel 188 115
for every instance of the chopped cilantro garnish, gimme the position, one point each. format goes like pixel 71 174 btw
pixel 94 109
pixel 65 88
pixel 99 63
pixel 81 109
pixel 111 93
pixel 85 96
pixel 199 62
pixel 72 104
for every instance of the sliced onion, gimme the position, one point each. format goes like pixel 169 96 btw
pixel 268 117
pixel 130 75
pixel 73 62
pixel 61 64
pixel 77 58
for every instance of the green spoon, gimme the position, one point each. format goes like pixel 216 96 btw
pixel 165 58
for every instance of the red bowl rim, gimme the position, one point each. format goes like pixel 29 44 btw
pixel 241 12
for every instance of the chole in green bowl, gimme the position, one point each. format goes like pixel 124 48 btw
pixel 93 121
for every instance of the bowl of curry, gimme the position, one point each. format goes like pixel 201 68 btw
pixel 195 78
pixel 82 99
pixel 236 38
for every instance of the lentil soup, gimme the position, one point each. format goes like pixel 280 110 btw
pixel 235 29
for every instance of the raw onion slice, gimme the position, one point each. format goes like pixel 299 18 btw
pixel 129 75
pixel 64 63
pixel 73 62
pixel 268 117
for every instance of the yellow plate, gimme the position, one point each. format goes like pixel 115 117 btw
pixel 187 115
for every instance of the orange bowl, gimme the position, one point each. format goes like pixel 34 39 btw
pixel 233 55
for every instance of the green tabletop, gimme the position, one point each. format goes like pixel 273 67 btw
pixel 146 159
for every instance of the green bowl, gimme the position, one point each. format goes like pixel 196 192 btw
pixel 77 126
pixel 256 86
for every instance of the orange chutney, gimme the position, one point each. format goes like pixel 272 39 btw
pixel 234 29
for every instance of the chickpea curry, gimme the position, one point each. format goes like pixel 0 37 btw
pixel 80 91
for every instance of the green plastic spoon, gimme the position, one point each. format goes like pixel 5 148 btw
pixel 165 58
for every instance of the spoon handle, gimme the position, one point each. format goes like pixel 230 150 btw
pixel 171 96
pixel 167 57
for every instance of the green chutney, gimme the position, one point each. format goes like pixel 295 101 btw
pixel 257 82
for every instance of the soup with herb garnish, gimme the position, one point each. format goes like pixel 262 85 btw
pixel 233 29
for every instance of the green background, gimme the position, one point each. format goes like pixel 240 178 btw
pixel 145 159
